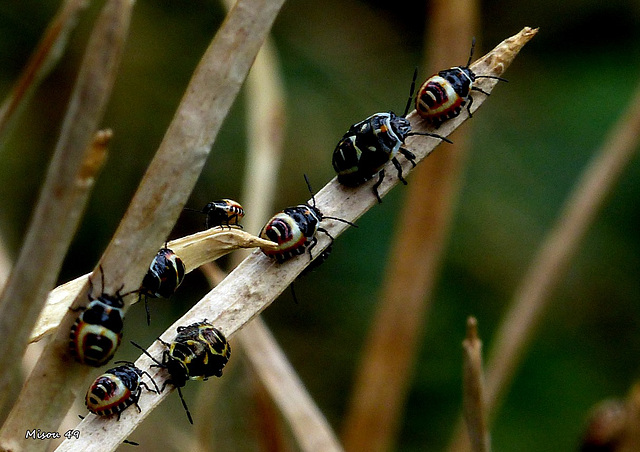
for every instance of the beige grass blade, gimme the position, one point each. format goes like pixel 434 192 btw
pixel 473 390
pixel 194 250
pixel 310 428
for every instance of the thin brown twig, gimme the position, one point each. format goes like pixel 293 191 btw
pixel 153 210
pixel 554 257
pixel 43 59
pixel 258 280
pixel 473 393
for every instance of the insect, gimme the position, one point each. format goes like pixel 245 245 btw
pixel 225 212
pixel 117 389
pixel 368 145
pixel 163 278
pixel 199 351
pixel 294 230
pixel 443 95
pixel 97 332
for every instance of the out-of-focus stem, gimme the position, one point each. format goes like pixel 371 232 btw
pixel 554 256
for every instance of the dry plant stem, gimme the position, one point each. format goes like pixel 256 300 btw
pixel 266 120
pixel 384 375
pixel 63 194
pixel 552 261
pixel 47 53
pixel 258 280
pixel 156 205
pixel 309 426
pixel 5 264
pixel 194 250
pixel 473 394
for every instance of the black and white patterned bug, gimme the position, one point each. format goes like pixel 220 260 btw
pixel 368 145
pixel 97 332
pixel 444 94
pixel 163 278
pixel 294 230
pixel 117 389
pixel 198 351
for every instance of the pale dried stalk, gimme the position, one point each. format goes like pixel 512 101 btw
pixel 48 52
pixel 64 193
pixel 308 424
pixel 5 264
pixel 385 370
pixel 473 394
pixel 258 280
pixel 153 210
pixel 554 256
pixel 194 250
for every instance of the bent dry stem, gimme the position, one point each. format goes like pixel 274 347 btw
pixel 257 281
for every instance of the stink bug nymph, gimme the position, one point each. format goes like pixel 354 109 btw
pixel 443 95
pixel 225 212
pixel 294 229
pixel 97 332
pixel 163 278
pixel 370 144
pixel 199 351
pixel 117 389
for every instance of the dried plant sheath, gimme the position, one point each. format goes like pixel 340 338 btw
pixel 194 250
pixel 257 281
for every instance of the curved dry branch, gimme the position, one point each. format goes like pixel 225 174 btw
pixel 194 250
pixel 257 281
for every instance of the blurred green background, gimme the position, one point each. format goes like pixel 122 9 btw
pixel 342 61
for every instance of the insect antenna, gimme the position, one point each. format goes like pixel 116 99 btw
pixel 428 134
pixel 411 92
pixel 186 408
pixel 493 77
pixel 313 196
pixel 473 45
pixel 158 363
pixel 342 220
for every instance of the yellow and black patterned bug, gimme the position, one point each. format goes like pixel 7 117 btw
pixel 198 351
pixel 117 389
pixel 368 145
pixel 444 94
pixel 97 332
pixel 163 278
pixel 225 212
